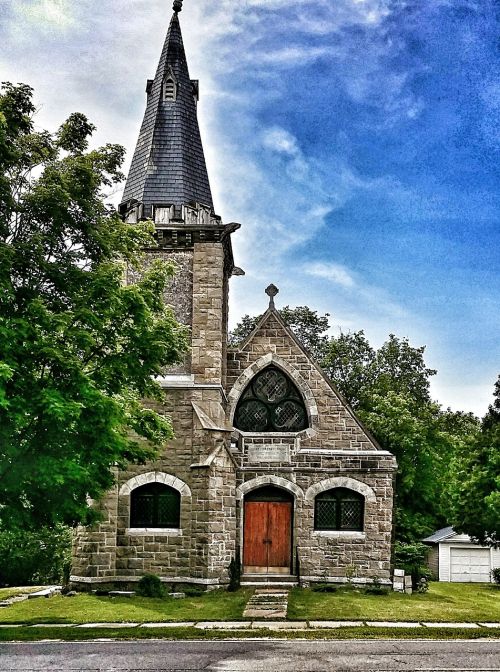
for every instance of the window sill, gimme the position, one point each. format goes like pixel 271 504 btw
pixel 339 534
pixel 154 531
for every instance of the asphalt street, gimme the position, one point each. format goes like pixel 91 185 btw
pixel 253 656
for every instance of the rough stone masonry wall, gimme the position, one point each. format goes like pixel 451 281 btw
pixel 178 293
pixel 94 547
pixel 337 448
pixel 113 552
pixel 208 333
pixel 222 522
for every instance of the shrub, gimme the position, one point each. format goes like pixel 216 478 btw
pixel 36 557
pixel 495 575
pixel 412 558
pixel 150 585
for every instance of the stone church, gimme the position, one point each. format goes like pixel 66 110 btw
pixel 268 462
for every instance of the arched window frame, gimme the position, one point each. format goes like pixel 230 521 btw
pixel 156 518
pixel 331 513
pixel 269 407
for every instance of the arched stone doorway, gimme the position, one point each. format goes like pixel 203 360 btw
pixel 267 531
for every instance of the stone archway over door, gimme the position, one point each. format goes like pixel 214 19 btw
pixel 267 531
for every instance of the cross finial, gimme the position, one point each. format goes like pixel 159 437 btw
pixel 177 6
pixel 271 291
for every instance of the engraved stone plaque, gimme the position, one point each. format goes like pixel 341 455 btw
pixel 268 453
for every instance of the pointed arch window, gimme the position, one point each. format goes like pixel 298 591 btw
pixel 271 403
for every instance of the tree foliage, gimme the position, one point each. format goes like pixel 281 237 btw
pixel 78 348
pixel 475 492
pixel 35 557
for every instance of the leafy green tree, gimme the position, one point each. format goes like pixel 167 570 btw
pixel 475 495
pixel 35 557
pixel 423 451
pixel 349 362
pixel 360 372
pixel 78 348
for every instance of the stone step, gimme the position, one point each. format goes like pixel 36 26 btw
pixel 45 592
pixel 267 603
pixel 271 581
pixel 264 578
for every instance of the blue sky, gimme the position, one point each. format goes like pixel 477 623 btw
pixel 357 141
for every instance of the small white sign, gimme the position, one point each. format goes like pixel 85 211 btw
pixel 269 453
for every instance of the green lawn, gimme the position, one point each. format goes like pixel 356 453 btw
pixel 217 605
pixel 464 602
pixel 443 602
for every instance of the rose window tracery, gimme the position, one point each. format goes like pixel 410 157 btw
pixel 271 403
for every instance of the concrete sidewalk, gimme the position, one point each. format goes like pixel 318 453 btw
pixel 262 625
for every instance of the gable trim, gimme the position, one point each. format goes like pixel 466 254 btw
pixel 273 311
pixel 341 482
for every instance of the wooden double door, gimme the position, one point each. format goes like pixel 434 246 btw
pixel 267 537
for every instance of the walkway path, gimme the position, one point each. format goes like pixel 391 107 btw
pixel 267 603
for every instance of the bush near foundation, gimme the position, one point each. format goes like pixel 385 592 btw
pixel 150 585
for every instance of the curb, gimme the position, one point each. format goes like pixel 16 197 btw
pixel 261 625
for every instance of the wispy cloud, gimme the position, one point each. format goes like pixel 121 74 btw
pixel 376 298
pixel 45 14
pixel 335 273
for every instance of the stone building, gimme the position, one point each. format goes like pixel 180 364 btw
pixel 268 460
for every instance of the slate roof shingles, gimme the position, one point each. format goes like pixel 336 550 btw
pixel 168 165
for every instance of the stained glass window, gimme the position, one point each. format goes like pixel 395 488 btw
pixel 339 509
pixel 271 403
pixel 155 505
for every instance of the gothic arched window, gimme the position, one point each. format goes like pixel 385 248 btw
pixel 155 505
pixel 271 403
pixel 339 509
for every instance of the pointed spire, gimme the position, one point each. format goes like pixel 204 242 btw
pixel 168 166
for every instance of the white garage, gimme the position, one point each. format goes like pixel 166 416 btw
pixel 454 557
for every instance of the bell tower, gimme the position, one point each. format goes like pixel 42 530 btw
pixel 168 183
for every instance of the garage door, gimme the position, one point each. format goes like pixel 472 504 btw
pixel 470 564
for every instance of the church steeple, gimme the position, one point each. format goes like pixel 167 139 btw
pixel 168 167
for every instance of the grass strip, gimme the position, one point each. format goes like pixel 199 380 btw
pixel 28 634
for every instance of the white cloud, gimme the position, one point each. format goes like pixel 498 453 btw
pixel 335 273
pixel 46 14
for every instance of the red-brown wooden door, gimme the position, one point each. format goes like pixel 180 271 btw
pixel 267 536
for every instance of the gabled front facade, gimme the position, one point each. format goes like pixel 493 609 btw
pixel 268 461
